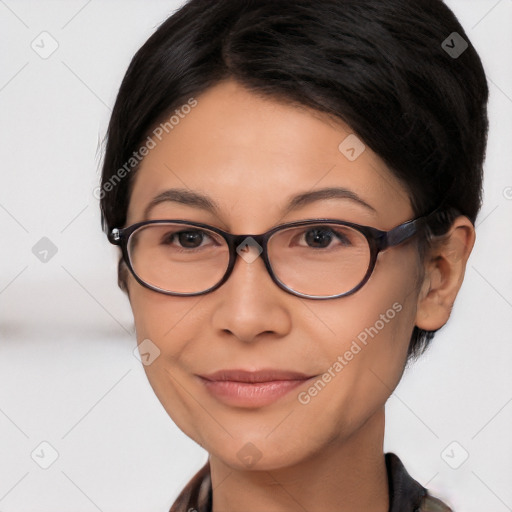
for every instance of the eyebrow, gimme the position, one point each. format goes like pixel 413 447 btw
pixel 306 198
pixel 198 200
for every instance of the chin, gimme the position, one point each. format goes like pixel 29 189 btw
pixel 255 453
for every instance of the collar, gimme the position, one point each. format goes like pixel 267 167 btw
pixel 405 493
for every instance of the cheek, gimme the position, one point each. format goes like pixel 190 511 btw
pixel 388 320
pixel 169 322
pixel 370 333
pixel 379 317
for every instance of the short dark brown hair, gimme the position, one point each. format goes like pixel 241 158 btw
pixel 383 67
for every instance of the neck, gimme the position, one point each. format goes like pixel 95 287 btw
pixel 347 475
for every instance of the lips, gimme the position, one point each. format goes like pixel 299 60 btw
pixel 249 389
pixel 255 376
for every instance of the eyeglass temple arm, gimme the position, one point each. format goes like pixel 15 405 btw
pixel 439 216
pixel 400 233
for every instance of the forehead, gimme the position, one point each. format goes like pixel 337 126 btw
pixel 252 154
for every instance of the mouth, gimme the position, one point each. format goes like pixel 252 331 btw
pixel 251 389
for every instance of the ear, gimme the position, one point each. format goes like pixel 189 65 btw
pixel 445 266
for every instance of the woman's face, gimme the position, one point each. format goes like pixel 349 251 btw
pixel 251 156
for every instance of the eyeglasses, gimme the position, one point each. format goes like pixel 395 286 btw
pixel 315 259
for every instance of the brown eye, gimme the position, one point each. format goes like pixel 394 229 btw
pixel 190 239
pixel 323 237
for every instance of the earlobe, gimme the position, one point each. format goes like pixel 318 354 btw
pixel 444 274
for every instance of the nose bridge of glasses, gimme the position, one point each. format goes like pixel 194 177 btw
pixel 248 247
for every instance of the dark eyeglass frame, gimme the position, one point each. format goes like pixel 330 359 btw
pixel 378 241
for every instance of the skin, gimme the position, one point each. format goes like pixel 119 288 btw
pixel 251 155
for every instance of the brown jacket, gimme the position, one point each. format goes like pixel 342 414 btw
pixel 405 493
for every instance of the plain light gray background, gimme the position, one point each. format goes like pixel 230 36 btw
pixel 68 376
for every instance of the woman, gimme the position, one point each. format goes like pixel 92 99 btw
pixel 293 187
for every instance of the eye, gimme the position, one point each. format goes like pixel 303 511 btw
pixel 320 237
pixel 189 239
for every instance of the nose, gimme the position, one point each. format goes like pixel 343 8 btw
pixel 250 304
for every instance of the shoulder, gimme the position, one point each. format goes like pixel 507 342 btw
pixel 406 493
pixel 431 504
